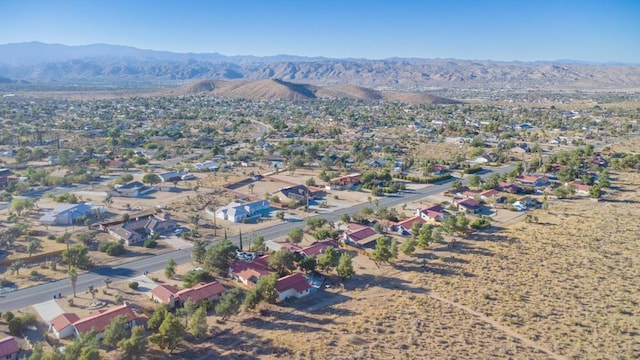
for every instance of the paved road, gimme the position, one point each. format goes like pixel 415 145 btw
pixel 37 294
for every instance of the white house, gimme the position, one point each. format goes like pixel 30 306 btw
pixel 292 286
pixel 236 212
pixel 66 214
pixel 62 325
pixel 100 321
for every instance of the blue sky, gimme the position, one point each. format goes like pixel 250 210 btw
pixel 588 30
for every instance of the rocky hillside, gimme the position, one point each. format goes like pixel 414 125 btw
pixel 36 62
pixel 276 89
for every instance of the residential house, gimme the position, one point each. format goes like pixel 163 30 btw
pixel 237 212
pixel 132 189
pixel 359 235
pixel 170 176
pixel 317 248
pixel 531 180
pixel 9 348
pixel 210 292
pixel 581 189
pixel 66 214
pixel 377 163
pixel 345 181
pixel 249 272
pixel 404 227
pixel 116 164
pixel 141 229
pixel 101 320
pixel 62 325
pixel 489 194
pixel 292 286
pixel 164 294
pixel 299 193
pixel 275 161
pixel 207 165
pixel 470 194
pixel 468 205
pixel 510 188
pixel 433 213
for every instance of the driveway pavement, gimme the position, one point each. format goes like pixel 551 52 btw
pixel 177 243
pixel 144 283
pixel 48 310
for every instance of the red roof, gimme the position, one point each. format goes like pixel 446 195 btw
pixel 489 193
pixel 294 281
pixel 360 233
pixel 63 320
pixel 291 247
pixel 8 346
pixel 318 247
pixel 470 194
pixel 100 321
pixel 468 202
pixel 580 186
pixel 202 291
pixel 164 292
pixel 408 223
pixel 256 268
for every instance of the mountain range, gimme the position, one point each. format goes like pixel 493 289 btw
pixel 53 63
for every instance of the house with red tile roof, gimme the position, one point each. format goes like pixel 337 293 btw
pixel 359 235
pixel 62 325
pixel 404 227
pixel 510 188
pixel 9 348
pixel 345 181
pixel 164 294
pixel 467 205
pixel 433 213
pixel 102 319
pixel 317 248
pixel 580 187
pixel 471 194
pixel 292 286
pixel 248 272
pixel 210 291
pixel 488 194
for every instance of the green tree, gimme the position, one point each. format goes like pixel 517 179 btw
pixel 595 192
pixel 198 251
pixel 258 244
pixel 266 287
pixel 456 185
pixel 82 347
pixel 219 257
pixel 135 346
pixel 393 249
pixel 425 236
pixel 93 291
pixel 170 269
pixel 156 319
pixel 330 259
pixel 20 204
pixel 115 331
pixel 382 252
pixel 86 237
pixel 282 261
pixel 315 223
pixel 308 264
pixel 16 266
pixel 230 303
pixel 77 256
pixel 462 223
pixel 296 235
pixel 72 274
pixel 198 323
pixel 408 246
pixel 345 218
pixel 151 179
pixel 474 180
pixel 170 334
pixel 345 267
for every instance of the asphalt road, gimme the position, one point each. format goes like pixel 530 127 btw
pixel 36 294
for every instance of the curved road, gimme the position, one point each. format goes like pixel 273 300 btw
pixel 40 293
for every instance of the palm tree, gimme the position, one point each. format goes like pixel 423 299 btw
pixel 73 277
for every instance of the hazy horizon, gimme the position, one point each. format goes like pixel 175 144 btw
pixel 528 31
